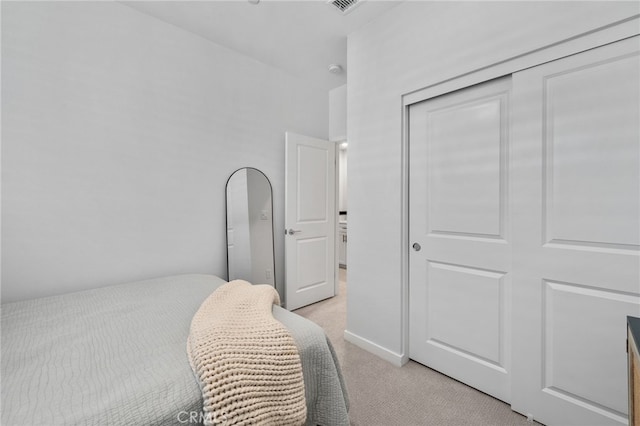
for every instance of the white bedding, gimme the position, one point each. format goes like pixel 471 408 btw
pixel 116 356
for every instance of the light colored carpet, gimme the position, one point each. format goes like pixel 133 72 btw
pixel 384 395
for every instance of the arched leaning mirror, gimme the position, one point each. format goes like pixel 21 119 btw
pixel 250 253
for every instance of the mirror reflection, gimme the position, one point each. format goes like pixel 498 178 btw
pixel 250 253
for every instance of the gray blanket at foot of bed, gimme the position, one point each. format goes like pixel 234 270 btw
pixel 117 356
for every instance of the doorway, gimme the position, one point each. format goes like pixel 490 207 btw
pixel 342 208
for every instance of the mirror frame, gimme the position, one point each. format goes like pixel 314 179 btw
pixel 226 221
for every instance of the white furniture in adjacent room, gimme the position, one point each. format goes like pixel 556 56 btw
pixel 342 244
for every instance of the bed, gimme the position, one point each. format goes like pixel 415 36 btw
pixel 117 356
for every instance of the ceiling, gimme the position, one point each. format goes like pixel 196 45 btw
pixel 300 37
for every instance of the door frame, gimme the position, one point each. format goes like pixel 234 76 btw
pixel 586 41
pixel 337 216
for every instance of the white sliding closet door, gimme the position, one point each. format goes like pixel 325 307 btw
pixel 576 234
pixel 460 260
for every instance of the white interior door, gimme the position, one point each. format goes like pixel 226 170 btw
pixel 310 220
pixel 576 234
pixel 459 228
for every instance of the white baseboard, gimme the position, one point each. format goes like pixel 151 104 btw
pixel 394 358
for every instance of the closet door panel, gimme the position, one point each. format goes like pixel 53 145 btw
pixel 460 258
pixel 576 227
pixel 590 117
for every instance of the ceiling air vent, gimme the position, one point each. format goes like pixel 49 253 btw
pixel 344 6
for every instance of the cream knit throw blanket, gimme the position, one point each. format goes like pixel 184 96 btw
pixel 246 361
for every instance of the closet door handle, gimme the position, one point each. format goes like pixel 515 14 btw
pixel 293 231
pixel 416 246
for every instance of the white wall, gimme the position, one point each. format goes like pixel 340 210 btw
pixel 338 114
pixel 118 134
pixel 413 46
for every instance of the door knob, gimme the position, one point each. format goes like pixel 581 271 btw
pixel 293 231
pixel 416 246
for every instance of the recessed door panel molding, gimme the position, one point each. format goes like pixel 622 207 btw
pixel 312 186
pixel 460 206
pixel 575 224
pixel 592 158
pixel 456 291
pixel 569 356
pixel 313 253
pixel 459 279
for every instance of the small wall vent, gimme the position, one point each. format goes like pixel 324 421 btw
pixel 344 6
